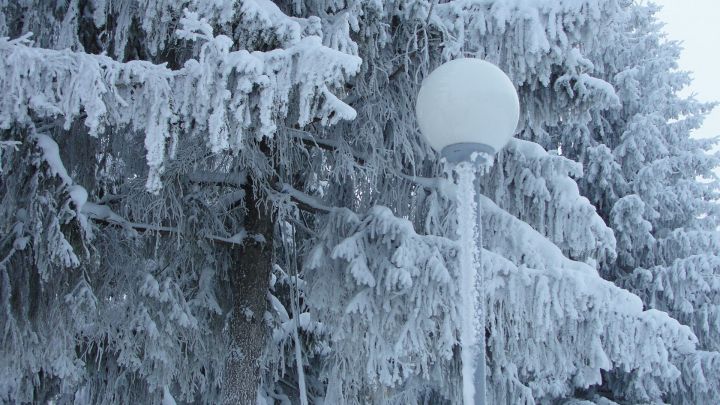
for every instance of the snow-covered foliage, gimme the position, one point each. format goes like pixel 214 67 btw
pixel 387 298
pixel 228 200
pixel 547 309
pixel 655 187
pixel 110 312
pixel 538 188
pixel 161 103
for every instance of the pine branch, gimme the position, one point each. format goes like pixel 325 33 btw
pixel 238 179
pixel 308 140
pixel 304 201
pixel 103 214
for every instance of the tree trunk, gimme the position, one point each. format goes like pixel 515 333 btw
pixel 250 282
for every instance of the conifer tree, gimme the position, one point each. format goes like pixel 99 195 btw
pixel 654 185
pixel 230 201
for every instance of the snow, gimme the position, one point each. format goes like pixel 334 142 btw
pixel 167 397
pixel 467 235
pixel 267 13
pixel 51 155
pixel 598 267
pixel 79 196
pixel 102 212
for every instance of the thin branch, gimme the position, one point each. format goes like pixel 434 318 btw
pixel 396 72
pixel 443 185
pixel 432 6
pixel 236 179
pixel 304 201
pixel 307 139
pixel 103 214
pixel 303 227
pixel 7 258
pixel 429 183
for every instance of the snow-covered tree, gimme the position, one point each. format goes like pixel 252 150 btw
pixel 565 51
pixel 655 187
pixel 224 201
pixel 144 191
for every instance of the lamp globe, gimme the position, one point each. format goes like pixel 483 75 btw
pixel 467 105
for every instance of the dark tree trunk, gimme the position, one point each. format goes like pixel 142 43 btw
pixel 250 282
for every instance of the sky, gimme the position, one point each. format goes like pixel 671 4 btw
pixel 697 24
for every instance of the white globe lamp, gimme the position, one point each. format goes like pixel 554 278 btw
pixel 467 105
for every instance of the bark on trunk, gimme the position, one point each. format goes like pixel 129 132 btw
pixel 250 282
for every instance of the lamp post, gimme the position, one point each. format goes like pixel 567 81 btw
pixel 468 109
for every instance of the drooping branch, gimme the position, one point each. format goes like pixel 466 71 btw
pixel 237 179
pixel 308 140
pixel 103 214
pixel 428 183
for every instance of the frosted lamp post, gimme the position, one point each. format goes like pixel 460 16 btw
pixel 468 109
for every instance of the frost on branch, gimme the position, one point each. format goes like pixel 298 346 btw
pixel 124 317
pixel 698 384
pixel 245 104
pixel 645 180
pixel 546 309
pixel 538 188
pixel 35 224
pixel 387 297
pixel 47 85
pixel 217 97
pixel 689 289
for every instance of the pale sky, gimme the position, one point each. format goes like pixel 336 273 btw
pixel 697 24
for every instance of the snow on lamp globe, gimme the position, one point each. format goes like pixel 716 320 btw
pixel 467 105
pixel 468 110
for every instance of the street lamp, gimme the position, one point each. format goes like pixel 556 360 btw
pixel 468 109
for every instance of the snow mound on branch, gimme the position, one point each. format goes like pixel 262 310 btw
pixel 548 298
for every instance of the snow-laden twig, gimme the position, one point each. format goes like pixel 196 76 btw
pixel 103 213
